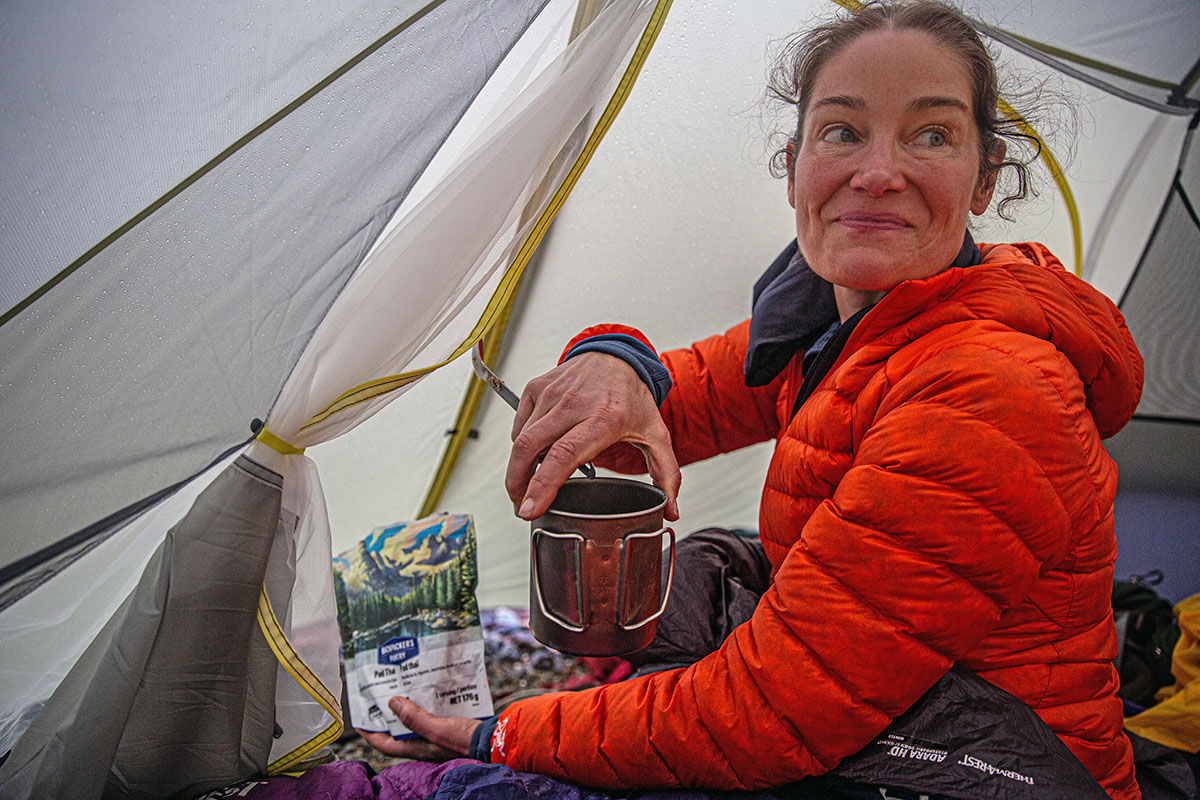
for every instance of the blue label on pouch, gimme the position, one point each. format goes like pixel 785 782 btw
pixel 398 650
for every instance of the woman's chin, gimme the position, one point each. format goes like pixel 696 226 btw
pixel 871 270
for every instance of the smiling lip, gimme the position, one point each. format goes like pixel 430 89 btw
pixel 864 221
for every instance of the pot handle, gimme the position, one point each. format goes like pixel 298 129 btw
pixel 670 577
pixel 537 583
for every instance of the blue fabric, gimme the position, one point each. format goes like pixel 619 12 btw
pixel 481 739
pixel 637 355
pixel 791 307
pixel 811 354
pixel 497 782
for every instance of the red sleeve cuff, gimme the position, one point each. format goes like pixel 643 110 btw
pixel 605 328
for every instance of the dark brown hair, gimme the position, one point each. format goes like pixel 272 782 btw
pixel 804 56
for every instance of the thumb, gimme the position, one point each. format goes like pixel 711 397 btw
pixel 411 715
pixel 452 733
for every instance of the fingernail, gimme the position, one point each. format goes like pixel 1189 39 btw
pixel 526 509
pixel 394 704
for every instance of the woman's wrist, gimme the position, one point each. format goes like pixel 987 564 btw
pixel 629 345
pixel 481 740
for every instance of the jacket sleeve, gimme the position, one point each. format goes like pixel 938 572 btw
pixel 709 409
pixel 968 470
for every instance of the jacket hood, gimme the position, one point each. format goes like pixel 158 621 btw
pixel 1026 288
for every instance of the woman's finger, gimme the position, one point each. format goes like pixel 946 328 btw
pixel 532 434
pixel 541 439
pixel 664 471
pixel 559 463
pixel 413 749
pixel 453 734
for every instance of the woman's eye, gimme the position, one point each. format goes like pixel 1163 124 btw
pixel 933 138
pixel 839 134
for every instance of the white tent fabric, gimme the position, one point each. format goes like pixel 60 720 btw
pixel 331 199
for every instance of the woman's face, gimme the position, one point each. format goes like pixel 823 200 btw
pixel 888 164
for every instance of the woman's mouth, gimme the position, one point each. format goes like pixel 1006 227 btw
pixel 868 221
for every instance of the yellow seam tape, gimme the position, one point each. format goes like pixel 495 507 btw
pixel 380 386
pixel 278 445
pixel 306 678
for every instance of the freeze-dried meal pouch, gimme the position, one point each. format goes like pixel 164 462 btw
pixel 410 623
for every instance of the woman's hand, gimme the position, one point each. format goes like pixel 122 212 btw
pixel 443 738
pixel 572 414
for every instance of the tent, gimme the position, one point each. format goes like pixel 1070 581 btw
pixel 234 233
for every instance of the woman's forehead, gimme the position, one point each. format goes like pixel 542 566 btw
pixel 906 67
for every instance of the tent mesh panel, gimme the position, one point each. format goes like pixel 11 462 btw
pixel 1162 306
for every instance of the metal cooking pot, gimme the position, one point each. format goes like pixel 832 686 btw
pixel 596 567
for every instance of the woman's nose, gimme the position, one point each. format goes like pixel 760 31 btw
pixel 879 171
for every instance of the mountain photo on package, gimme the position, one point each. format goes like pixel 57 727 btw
pixel 410 622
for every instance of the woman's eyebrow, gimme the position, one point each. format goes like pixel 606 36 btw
pixel 841 101
pixel 937 101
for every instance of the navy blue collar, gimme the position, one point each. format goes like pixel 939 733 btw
pixel 793 307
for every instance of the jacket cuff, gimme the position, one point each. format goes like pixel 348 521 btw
pixel 629 345
pixel 481 740
pixel 497 742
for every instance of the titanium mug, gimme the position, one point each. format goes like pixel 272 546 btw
pixel 596 567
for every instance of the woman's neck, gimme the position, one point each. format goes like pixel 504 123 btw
pixel 851 301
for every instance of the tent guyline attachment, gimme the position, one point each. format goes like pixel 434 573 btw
pixel 1179 93
pixel 259 428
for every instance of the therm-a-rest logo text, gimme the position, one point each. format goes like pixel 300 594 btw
pixel 983 766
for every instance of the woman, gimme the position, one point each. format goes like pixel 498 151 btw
pixel 938 492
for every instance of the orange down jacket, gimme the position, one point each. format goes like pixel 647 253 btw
pixel 941 497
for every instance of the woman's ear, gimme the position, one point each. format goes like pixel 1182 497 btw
pixel 987 181
pixel 790 159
